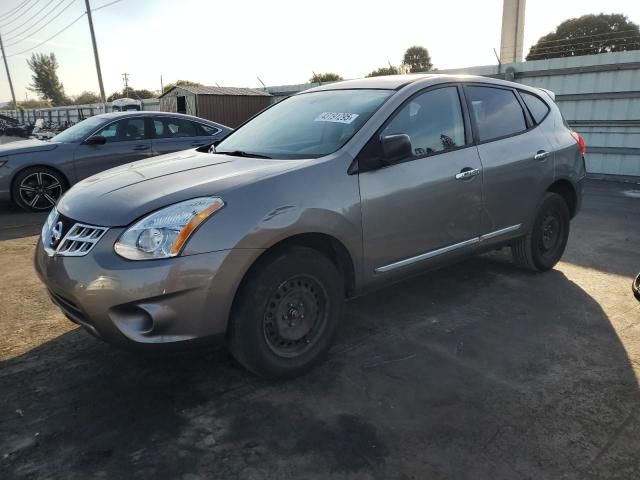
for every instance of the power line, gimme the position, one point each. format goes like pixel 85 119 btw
pixel 105 5
pixel 10 12
pixel 23 34
pixel 583 37
pixel 21 13
pixel 48 39
pixel 593 43
pixel 33 16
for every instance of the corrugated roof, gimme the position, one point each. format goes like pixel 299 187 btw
pixel 223 91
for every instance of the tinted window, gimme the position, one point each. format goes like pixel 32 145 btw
pixel 536 106
pixel 203 129
pixel 79 131
pixel 124 130
pixel 174 128
pixel 497 112
pixel 433 121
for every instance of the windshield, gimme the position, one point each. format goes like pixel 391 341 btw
pixel 79 131
pixel 309 125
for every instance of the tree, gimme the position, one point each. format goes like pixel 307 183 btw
pixel 418 59
pixel 85 98
pixel 325 77
pixel 132 93
pixel 181 83
pixel 588 35
pixel 390 70
pixel 45 78
pixel 28 104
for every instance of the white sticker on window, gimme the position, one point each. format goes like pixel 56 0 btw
pixel 336 117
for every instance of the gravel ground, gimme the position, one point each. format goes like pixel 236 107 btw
pixel 477 371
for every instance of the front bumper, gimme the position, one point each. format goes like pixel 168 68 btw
pixel 145 302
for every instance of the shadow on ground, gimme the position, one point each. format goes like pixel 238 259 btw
pixel 479 371
pixel 17 223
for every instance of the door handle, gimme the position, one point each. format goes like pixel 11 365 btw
pixel 467 172
pixel 541 155
pixel 141 147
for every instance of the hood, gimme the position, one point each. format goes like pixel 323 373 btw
pixel 26 146
pixel 121 195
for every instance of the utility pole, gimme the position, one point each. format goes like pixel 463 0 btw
pixel 95 54
pixel 6 66
pixel 161 85
pixel 125 79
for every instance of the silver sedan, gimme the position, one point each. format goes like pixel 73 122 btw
pixel 34 173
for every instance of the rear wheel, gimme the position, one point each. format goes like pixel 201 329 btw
pixel 286 313
pixel 543 247
pixel 38 189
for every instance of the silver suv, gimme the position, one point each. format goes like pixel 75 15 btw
pixel 327 194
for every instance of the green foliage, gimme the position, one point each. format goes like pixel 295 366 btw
pixel 417 59
pixel 390 70
pixel 132 93
pixel 325 77
pixel 28 104
pixel 45 78
pixel 588 35
pixel 86 97
pixel 181 83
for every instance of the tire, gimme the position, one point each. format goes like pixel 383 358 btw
pixel 38 189
pixel 544 245
pixel 286 313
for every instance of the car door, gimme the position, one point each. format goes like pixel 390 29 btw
pixel 426 207
pixel 126 142
pixel 174 134
pixel 515 154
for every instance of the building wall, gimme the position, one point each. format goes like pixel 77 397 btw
pixel 169 102
pixel 230 110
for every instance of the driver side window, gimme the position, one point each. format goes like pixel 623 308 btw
pixel 433 121
pixel 124 130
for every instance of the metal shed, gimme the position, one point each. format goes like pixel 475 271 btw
pixel 227 105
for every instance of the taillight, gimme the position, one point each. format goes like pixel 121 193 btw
pixel 578 138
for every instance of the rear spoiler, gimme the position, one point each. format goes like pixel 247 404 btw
pixel 551 94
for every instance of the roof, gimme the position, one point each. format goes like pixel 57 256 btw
pixel 221 91
pixel 396 82
pixel 148 113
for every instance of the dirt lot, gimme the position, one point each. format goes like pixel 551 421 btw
pixel 479 371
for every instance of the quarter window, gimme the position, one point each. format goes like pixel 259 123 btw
pixel 537 107
pixel 433 121
pixel 497 112
pixel 206 129
pixel 124 130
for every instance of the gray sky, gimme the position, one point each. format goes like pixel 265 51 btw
pixel 282 42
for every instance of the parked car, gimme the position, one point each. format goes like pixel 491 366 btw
pixel 34 173
pixel 325 195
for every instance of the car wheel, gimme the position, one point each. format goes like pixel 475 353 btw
pixel 543 247
pixel 38 189
pixel 636 287
pixel 286 313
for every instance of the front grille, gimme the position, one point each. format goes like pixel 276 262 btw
pixel 62 236
pixel 80 240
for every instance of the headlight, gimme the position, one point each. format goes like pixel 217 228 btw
pixel 164 233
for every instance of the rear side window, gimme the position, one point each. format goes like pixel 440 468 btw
pixel 497 112
pixel 537 107
pixel 204 130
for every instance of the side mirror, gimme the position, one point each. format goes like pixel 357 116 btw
pixel 396 147
pixel 95 140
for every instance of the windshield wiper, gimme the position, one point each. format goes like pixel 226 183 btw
pixel 241 153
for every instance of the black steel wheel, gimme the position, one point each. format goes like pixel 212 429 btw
pixel 286 312
pixel 296 316
pixel 543 247
pixel 38 189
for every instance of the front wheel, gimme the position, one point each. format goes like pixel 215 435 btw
pixel 543 247
pixel 38 189
pixel 286 313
